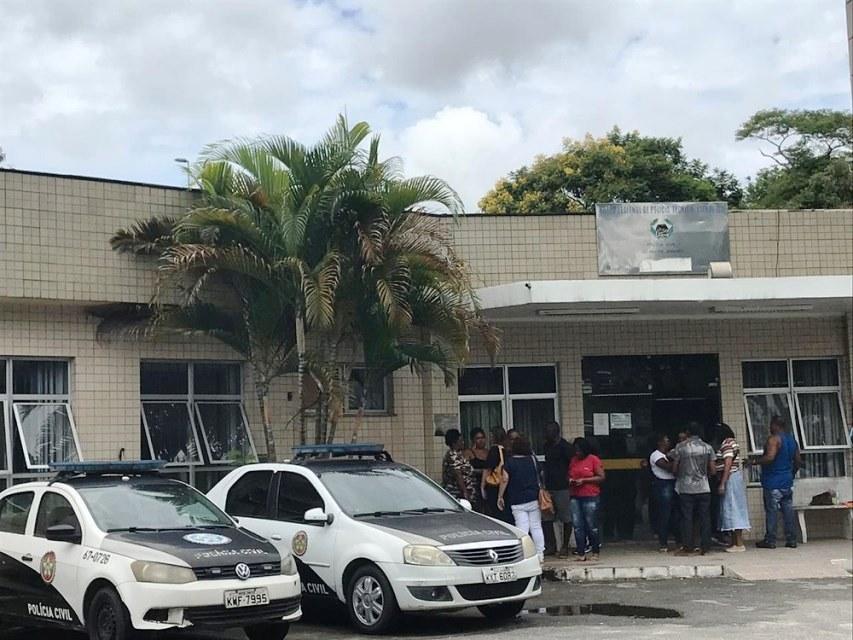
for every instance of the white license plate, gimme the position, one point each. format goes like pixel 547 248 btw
pixel 246 598
pixel 493 575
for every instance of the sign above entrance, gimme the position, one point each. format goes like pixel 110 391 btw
pixel 653 238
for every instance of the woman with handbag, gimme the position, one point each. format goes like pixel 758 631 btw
pixel 521 489
pixel 492 476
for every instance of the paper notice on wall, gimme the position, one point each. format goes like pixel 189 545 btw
pixel 600 424
pixel 620 421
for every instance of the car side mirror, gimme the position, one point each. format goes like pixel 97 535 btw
pixel 465 504
pixel 64 533
pixel 317 515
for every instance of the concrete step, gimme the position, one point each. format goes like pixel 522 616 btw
pixel 604 573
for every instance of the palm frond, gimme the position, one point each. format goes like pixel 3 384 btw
pixel 145 237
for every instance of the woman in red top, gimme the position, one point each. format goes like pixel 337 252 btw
pixel 586 474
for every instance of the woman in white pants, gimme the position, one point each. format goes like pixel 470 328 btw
pixel 520 489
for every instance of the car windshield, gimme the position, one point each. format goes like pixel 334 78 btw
pixel 386 491
pixel 142 506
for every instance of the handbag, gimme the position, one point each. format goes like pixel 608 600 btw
pixel 495 476
pixel 546 504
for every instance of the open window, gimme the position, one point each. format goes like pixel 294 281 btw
pixel 193 413
pixel 806 392
pixel 42 414
pixel 225 431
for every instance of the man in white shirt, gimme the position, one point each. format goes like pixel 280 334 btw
pixel 663 491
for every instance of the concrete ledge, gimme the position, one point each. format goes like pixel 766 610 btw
pixel 610 574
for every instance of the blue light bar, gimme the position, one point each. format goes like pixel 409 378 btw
pixel 128 467
pixel 338 450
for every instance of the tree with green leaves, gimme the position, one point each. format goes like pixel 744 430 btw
pixel 319 252
pixel 811 151
pixel 620 167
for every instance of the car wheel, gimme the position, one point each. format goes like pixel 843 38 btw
pixel 272 631
pixel 371 604
pixel 502 611
pixel 107 617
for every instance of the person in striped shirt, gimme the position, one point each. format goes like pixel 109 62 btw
pixel 734 511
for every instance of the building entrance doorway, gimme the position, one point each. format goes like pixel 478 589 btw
pixel 627 401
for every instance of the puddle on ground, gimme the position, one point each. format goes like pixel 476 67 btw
pixel 616 610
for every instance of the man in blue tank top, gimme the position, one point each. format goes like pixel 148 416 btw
pixel 779 465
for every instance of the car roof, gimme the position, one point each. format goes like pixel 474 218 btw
pixel 113 480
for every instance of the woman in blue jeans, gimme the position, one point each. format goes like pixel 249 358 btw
pixel 586 474
pixel 663 491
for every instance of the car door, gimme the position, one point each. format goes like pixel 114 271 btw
pixel 17 575
pixel 312 543
pixel 56 562
pixel 249 501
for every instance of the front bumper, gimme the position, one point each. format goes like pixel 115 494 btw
pixel 202 603
pixel 464 584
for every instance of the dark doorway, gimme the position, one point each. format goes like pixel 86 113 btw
pixel 627 401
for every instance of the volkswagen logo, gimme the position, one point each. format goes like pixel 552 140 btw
pixel 243 571
pixel 493 555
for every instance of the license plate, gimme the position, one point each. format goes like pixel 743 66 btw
pixel 246 598
pixel 494 575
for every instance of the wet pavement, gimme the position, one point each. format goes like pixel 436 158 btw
pixel 706 609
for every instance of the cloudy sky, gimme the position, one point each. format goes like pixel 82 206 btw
pixel 464 89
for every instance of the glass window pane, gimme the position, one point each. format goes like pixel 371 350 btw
pixel 820 414
pixel 529 417
pixel 2 436
pixel 54 510
pixel 46 433
pixel 532 380
pixel 761 408
pixel 829 464
pixel 485 415
pixel 815 373
pixel 225 433
pixel 248 497
pixel 171 433
pixel 40 377
pixel 14 511
pixel 216 378
pixel 613 375
pixel 163 378
pixel 296 495
pixel 480 381
pixel 2 376
pixel 374 397
pixel 765 375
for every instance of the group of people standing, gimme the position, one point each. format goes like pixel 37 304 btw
pixel 697 488
pixel 507 482
pixel 686 477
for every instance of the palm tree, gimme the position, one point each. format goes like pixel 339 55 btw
pixel 290 246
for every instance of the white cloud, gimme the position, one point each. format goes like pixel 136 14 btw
pixel 466 90
pixel 463 146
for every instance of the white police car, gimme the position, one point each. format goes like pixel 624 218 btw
pixel 382 537
pixel 115 547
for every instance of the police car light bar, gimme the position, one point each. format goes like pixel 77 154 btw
pixel 340 450
pixel 125 467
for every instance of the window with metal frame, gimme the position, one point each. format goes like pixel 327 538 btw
pixel 806 393
pixel 37 420
pixel 193 413
pixel 522 397
pixel 375 397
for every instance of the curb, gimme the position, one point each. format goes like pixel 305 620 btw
pixel 610 574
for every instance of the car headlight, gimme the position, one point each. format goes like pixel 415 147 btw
pixel 288 566
pixel 426 555
pixel 161 573
pixel 529 547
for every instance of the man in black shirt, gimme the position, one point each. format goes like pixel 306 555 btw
pixel 558 453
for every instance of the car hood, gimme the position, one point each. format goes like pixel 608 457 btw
pixel 447 528
pixel 197 548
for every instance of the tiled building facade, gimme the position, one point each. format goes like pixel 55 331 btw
pixel 55 262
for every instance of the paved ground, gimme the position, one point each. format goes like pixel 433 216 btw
pixel 817 559
pixel 706 609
